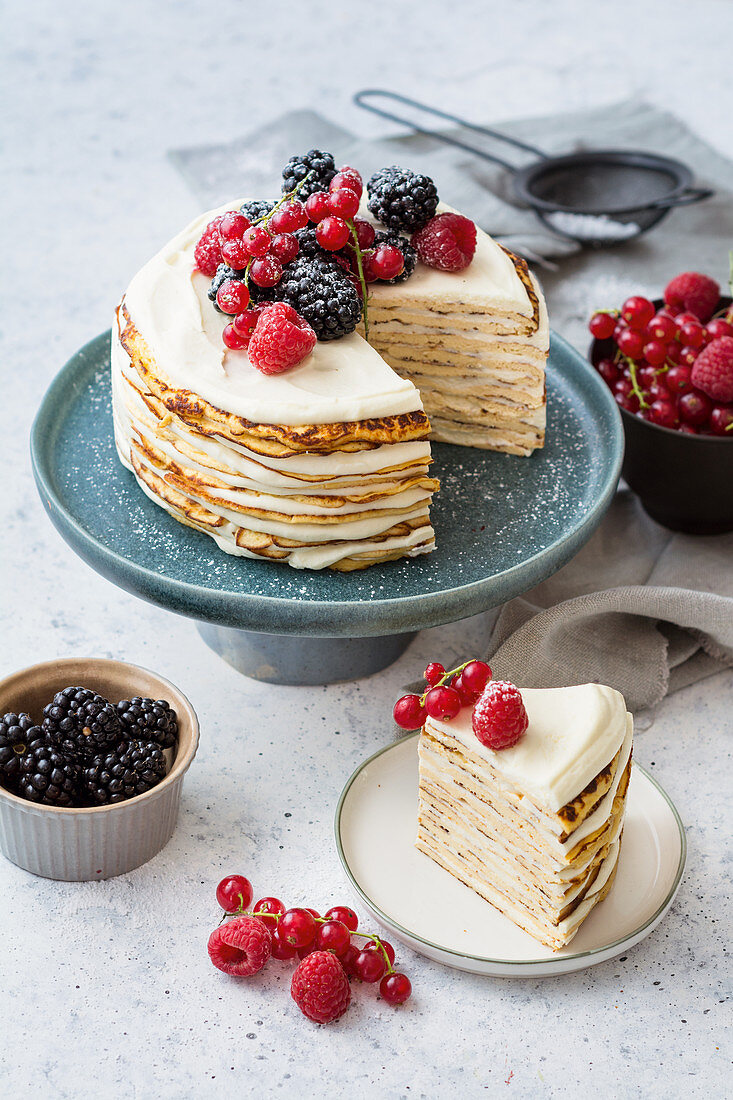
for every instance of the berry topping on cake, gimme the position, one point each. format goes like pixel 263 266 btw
pixel 694 292
pixel 499 718
pixel 402 199
pixel 128 769
pixel 332 233
pixel 207 254
pixel 409 254
pixel 713 369
pixel 255 210
pixel 241 946
pixel 447 242
pixel 323 296
pixel 81 723
pixel 232 296
pixel 320 987
pixel 316 168
pixel 446 693
pixel 281 339
pixel 148 720
pixel 47 775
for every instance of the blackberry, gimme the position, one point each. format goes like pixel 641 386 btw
pixel 149 720
pixel 47 775
pixel 256 209
pixel 319 167
pixel 322 295
pixel 402 199
pixel 310 249
pixel 80 723
pixel 17 732
pixel 257 294
pixel 390 236
pixel 130 768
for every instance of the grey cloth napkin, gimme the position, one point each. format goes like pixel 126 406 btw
pixel 638 608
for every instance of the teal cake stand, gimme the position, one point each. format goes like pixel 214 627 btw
pixel 502 523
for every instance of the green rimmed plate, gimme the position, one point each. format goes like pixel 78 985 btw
pixel 425 907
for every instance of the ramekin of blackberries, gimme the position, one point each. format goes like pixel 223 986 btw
pixel 92 758
pixel 669 364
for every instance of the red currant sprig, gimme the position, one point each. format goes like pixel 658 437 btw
pixel 299 931
pixel 445 695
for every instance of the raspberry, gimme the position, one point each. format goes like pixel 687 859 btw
pixel 694 292
pixel 320 987
pixel 447 242
pixel 207 252
pixel 499 717
pixel 281 339
pixel 712 371
pixel 241 946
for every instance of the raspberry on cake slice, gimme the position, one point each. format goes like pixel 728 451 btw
pixel 522 798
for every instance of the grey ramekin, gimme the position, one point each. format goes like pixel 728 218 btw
pixel 102 841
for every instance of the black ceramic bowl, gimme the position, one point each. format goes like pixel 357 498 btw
pixel 684 482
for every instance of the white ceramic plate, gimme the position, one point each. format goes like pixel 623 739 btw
pixel 425 907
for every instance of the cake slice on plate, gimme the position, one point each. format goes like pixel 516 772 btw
pixel 534 828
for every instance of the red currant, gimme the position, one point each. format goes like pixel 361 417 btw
pixel 364 232
pixel 395 988
pixel 646 376
pixel 313 912
pixel 291 216
pixel 370 274
pixel 307 950
pixel 663 413
pixel 687 429
pixel 442 703
pixel 601 325
pixel 266 271
pixel 388 262
pixel 344 202
pixel 233 225
pixel 688 355
pixel 318 206
pixel 369 965
pixel 285 247
pixel 694 408
pixel 637 312
pixel 232 296
pixel 388 949
pixel 266 906
pixel 678 379
pixel 433 673
pixel 257 240
pixel 234 893
pixel 409 712
pixel 468 697
pixel 662 327
pixel 674 350
pixel 232 339
pixel 685 317
pixel 721 420
pixel 476 675
pixel 348 961
pixel 280 949
pixel 692 333
pixel 608 371
pixel 297 927
pixel 347 177
pixel 624 395
pixel 332 233
pixel 718 327
pixel 245 322
pixel 630 342
pixel 655 352
pixel 235 253
pixel 333 936
pixel 344 914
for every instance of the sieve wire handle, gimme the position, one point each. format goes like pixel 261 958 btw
pixel 360 98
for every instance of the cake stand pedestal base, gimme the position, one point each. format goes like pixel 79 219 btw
pixel 299 661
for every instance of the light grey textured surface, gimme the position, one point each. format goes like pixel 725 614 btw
pixel 107 990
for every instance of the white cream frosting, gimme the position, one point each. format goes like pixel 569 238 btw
pixel 340 380
pixel 573 733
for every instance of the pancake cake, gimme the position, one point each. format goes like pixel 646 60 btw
pixel 322 460
pixel 535 828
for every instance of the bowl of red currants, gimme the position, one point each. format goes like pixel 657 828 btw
pixel 669 364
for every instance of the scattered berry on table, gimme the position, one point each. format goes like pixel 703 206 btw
pixel 315 167
pixel 320 987
pixel 402 199
pixel 694 292
pixel 268 910
pixel 344 914
pixel 499 718
pixel 334 936
pixel 713 369
pixel 240 946
pixel 447 242
pixel 395 988
pixel 128 769
pixel 297 927
pixel 281 339
pixel 370 965
pixel 149 720
pixel 234 893
pixel 81 723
